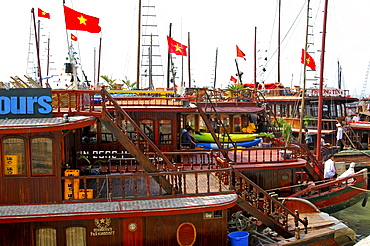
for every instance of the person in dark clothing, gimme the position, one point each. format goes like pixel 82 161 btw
pixel 187 138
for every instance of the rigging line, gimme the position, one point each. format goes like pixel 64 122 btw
pixel 290 28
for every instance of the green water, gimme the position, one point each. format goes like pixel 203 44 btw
pixel 357 218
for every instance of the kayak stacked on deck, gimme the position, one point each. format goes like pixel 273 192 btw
pixel 206 141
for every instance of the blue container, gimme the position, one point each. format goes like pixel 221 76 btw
pixel 238 238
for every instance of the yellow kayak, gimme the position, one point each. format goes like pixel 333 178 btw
pixel 235 137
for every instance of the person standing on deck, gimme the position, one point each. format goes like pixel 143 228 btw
pixel 356 118
pixel 339 136
pixel 309 140
pixel 329 168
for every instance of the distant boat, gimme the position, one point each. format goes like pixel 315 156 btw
pixel 360 125
pixel 236 137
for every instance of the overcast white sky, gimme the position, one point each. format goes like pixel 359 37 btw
pixel 211 24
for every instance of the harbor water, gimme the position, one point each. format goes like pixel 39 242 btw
pixel 357 218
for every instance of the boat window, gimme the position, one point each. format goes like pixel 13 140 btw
pixel 76 236
pixel 14 156
pixel 46 237
pixel 106 135
pixel 165 132
pixel 237 123
pixel 147 127
pixel 42 155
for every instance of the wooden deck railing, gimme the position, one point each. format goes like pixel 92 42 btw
pixel 183 183
pixel 90 101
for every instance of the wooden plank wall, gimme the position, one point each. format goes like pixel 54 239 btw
pixel 157 230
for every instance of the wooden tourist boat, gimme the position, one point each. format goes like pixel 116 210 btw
pixel 76 170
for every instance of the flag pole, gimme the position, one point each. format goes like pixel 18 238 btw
pixel 237 69
pixel 169 60
pixel 302 111
pixel 37 46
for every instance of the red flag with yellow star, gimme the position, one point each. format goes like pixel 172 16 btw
pixel 73 37
pixel 43 14
pixel 78 21
pixel 310 62
pixel 176 47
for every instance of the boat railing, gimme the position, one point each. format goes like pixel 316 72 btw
pixel 317 188
pixel 183 183
pixel 143 185
pixel 74 102
pixel 90 101
pixel 263 202
pixel 262 155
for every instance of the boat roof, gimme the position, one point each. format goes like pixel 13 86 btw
pixel 32 125
pixel 112 209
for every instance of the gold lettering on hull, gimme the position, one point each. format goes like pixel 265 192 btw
pixel 103 228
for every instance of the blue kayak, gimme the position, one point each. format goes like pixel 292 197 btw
pixel 228 145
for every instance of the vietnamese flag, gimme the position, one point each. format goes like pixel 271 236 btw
pixel 176 47
pixel 233 79
pixel 310 62
pixel 73 37
pixel 43 14
pixel 240 53
pixel 81 22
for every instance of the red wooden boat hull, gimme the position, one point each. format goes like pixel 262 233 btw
pixel 340 195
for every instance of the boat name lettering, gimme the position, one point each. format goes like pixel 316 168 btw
pixel 102 232
pixel 25 105
pixel 326 92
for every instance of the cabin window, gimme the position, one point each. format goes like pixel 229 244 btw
pixel 106 135
pixel 237 123
pixel 14 153
pixel 76 236
pixel 165 132
pixel 147 126
pixel 46 237
pixel 42 155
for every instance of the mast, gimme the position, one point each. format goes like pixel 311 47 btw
pixel 189 60
pixel 255 61
pixel 138 48
pixel 48 64
pixel 98 77
pixel 214 81
pixel 37 46
pixel 319 115
pixel 303 110
pixel 151 87
pixel 279 43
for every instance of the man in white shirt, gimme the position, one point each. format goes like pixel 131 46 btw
pixel 356 118
pixel 329 168
pixel 339 136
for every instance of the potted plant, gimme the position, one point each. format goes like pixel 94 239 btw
pixel 287 135
pixel 267 136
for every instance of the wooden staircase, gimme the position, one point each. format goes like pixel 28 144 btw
pixel 219 122
pixel 264 207
pixel 350 138
pixel 117 121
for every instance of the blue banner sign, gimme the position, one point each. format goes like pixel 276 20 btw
pixel 26 103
